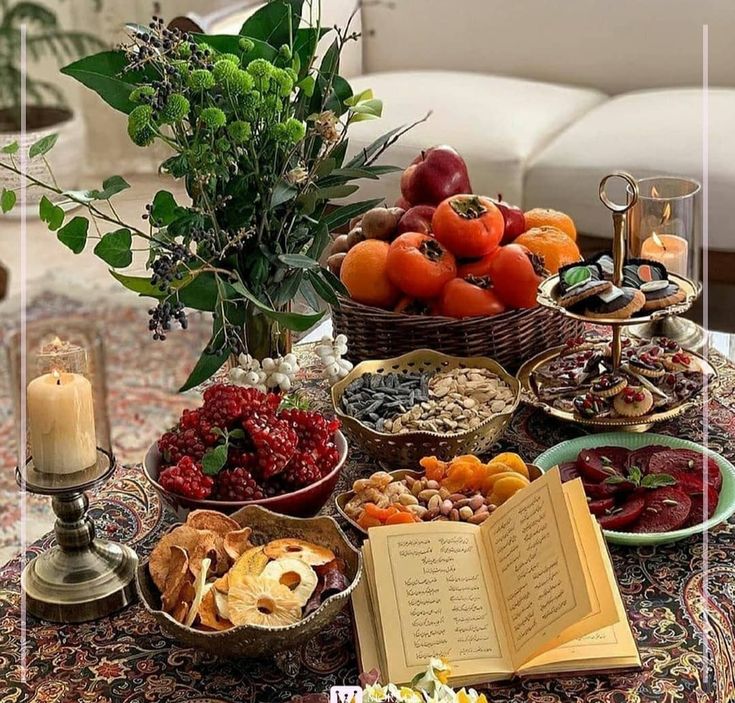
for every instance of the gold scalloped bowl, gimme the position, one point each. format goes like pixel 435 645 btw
pixel 255 640
pixel 407 448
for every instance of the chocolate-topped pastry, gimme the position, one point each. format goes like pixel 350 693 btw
pixel 668 345
pixel 681 361
pixel 661 294
pixel 647 364
pixel 637 272
pixel 577 282
pixel 618 303
pixel 589 406
pixel 608 385
pixel 605 262
pixel 574 345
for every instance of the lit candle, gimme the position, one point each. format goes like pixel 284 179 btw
pixel 61 423
pixel 670 250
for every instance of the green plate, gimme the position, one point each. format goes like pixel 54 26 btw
pixel 568 451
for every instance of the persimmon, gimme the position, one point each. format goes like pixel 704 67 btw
pixel 468 225
pixel 516 273
pixel 469 297
pixel 476 267
pixel 419 265
pixel 555 248
pixel 364 274
pixel 412 306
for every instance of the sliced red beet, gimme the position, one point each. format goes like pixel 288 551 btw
pixel 628 513
pixel 568 471
pixel 697 514
pixel 601 506
pixel 641 457
pixel 601 462
pixel 689 461
pixel 604 490
pixel 666 509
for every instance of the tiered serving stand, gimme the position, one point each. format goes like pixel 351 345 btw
pixel 548 297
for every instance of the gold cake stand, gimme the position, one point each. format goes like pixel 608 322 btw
pixel 548 297
pixel 82 577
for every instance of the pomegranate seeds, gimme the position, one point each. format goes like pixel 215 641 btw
pixel 275 443
pixel 186 479
pixel 237 484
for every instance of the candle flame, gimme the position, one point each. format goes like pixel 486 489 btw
pixel 666 215
pixel 658 241
pixel 57 377
pixel 654 192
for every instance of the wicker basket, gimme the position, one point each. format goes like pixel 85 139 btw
pixel 510 338
pixel 404 450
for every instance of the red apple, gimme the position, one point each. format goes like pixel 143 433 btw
pixel 417 219
pixel 515 220
pixel 403 203
pixel 435 175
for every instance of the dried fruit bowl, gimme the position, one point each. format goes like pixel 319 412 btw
pixel 256 640
pixel 302 503
pixel 568 451
pixel 406 449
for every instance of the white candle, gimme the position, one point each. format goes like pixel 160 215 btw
pixel 670 250
pixel 61 423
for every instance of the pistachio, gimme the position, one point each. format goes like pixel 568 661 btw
pixel 466 512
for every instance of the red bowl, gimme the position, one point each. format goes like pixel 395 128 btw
pixel 305 502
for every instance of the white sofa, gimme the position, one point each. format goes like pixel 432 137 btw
pixel 544 98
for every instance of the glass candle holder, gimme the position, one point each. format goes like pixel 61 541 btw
pixel 65 392
pixel 666 225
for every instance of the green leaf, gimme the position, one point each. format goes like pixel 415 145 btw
pixel 111 186
pixel 51 214
pixel 658 481
pixel 42 146
pixel 341 91
pixel 319 242
pixel 323 289
pixel 214 460
pixel 200 293
pixel 304 46
pixel 342 215
pixel 282 193
pixel 74 234
pixel 363 117
pixel 237 433
pixel 298 261
pixel 164 209
pixel 325 168
pixel 11 148
pixel 143 286
pixel 361 158
pixel 369 108
pixel 614 480
pixel 7 200
pixel 335 192
pixel 274 22
pixel 114 248
pixel 290 320
pixel 205 368
pixel 307 85
pixel 366 94
pixel 334 281
pixel 103 73
pixel 634 475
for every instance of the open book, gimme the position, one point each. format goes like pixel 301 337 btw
pixel 531 591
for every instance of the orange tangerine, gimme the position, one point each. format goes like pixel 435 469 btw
pixel 542 217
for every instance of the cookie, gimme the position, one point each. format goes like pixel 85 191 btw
pixel 608 385
pixel 589 406
pixel 618 303
pixel 661 294
pixel 577 274
pixel 638 272
pixel 668 345
pixel 681 361
pixel 574 345
pixel 580 293
pixel 647 364
pixel 605 263
pixel 634 401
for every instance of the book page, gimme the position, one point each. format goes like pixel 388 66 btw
pixel 610 647
pixel 540 578
pixel 434 593
pixel 366 626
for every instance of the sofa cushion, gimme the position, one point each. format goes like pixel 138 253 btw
pixel 647 133
pixel 496 123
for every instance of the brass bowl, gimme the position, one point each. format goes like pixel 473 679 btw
pixel 406 448
pixel 255 640
pixel 342 499
pixel 641 423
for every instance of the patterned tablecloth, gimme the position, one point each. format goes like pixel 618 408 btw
pixel 682 617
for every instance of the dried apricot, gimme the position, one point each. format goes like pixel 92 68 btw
pixel 491 481
pixel 506 487
pixel 400 519
pixel 366 521
pixel 435 469
pixel 381 514
pixel 513 460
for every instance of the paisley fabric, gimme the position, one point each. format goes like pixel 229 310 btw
pixel 680 598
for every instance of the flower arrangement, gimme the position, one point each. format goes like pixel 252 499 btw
pixel 429 687
pixel 257 124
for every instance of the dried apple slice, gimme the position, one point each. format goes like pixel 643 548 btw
pixel 211 520
pixel 237 542
pixel 251 563
pixel 182 536
pixel 176 578
pixel 295 574
pixel 200 589
pixel 312 554
pixel 262 601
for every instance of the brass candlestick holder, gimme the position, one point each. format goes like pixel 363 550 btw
pixel 82 577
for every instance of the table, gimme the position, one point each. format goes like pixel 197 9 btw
pixel 125 657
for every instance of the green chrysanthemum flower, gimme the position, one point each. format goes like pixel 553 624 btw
pixel 282 82
pixel 182 68
pixel 223 70
pixel 176 109
pixel 140 125
pixel 223 144
pixel 260 69
pixel 232 58
pixel 240 131
pixel 292 74
pixel 201 79
pixel 295 130
pixel 279 132
pixel 242 82
pixel 184 50
pixel 143 91
pixel 250 104
pixel 206 49
pixel 213 118
pixel 246 44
